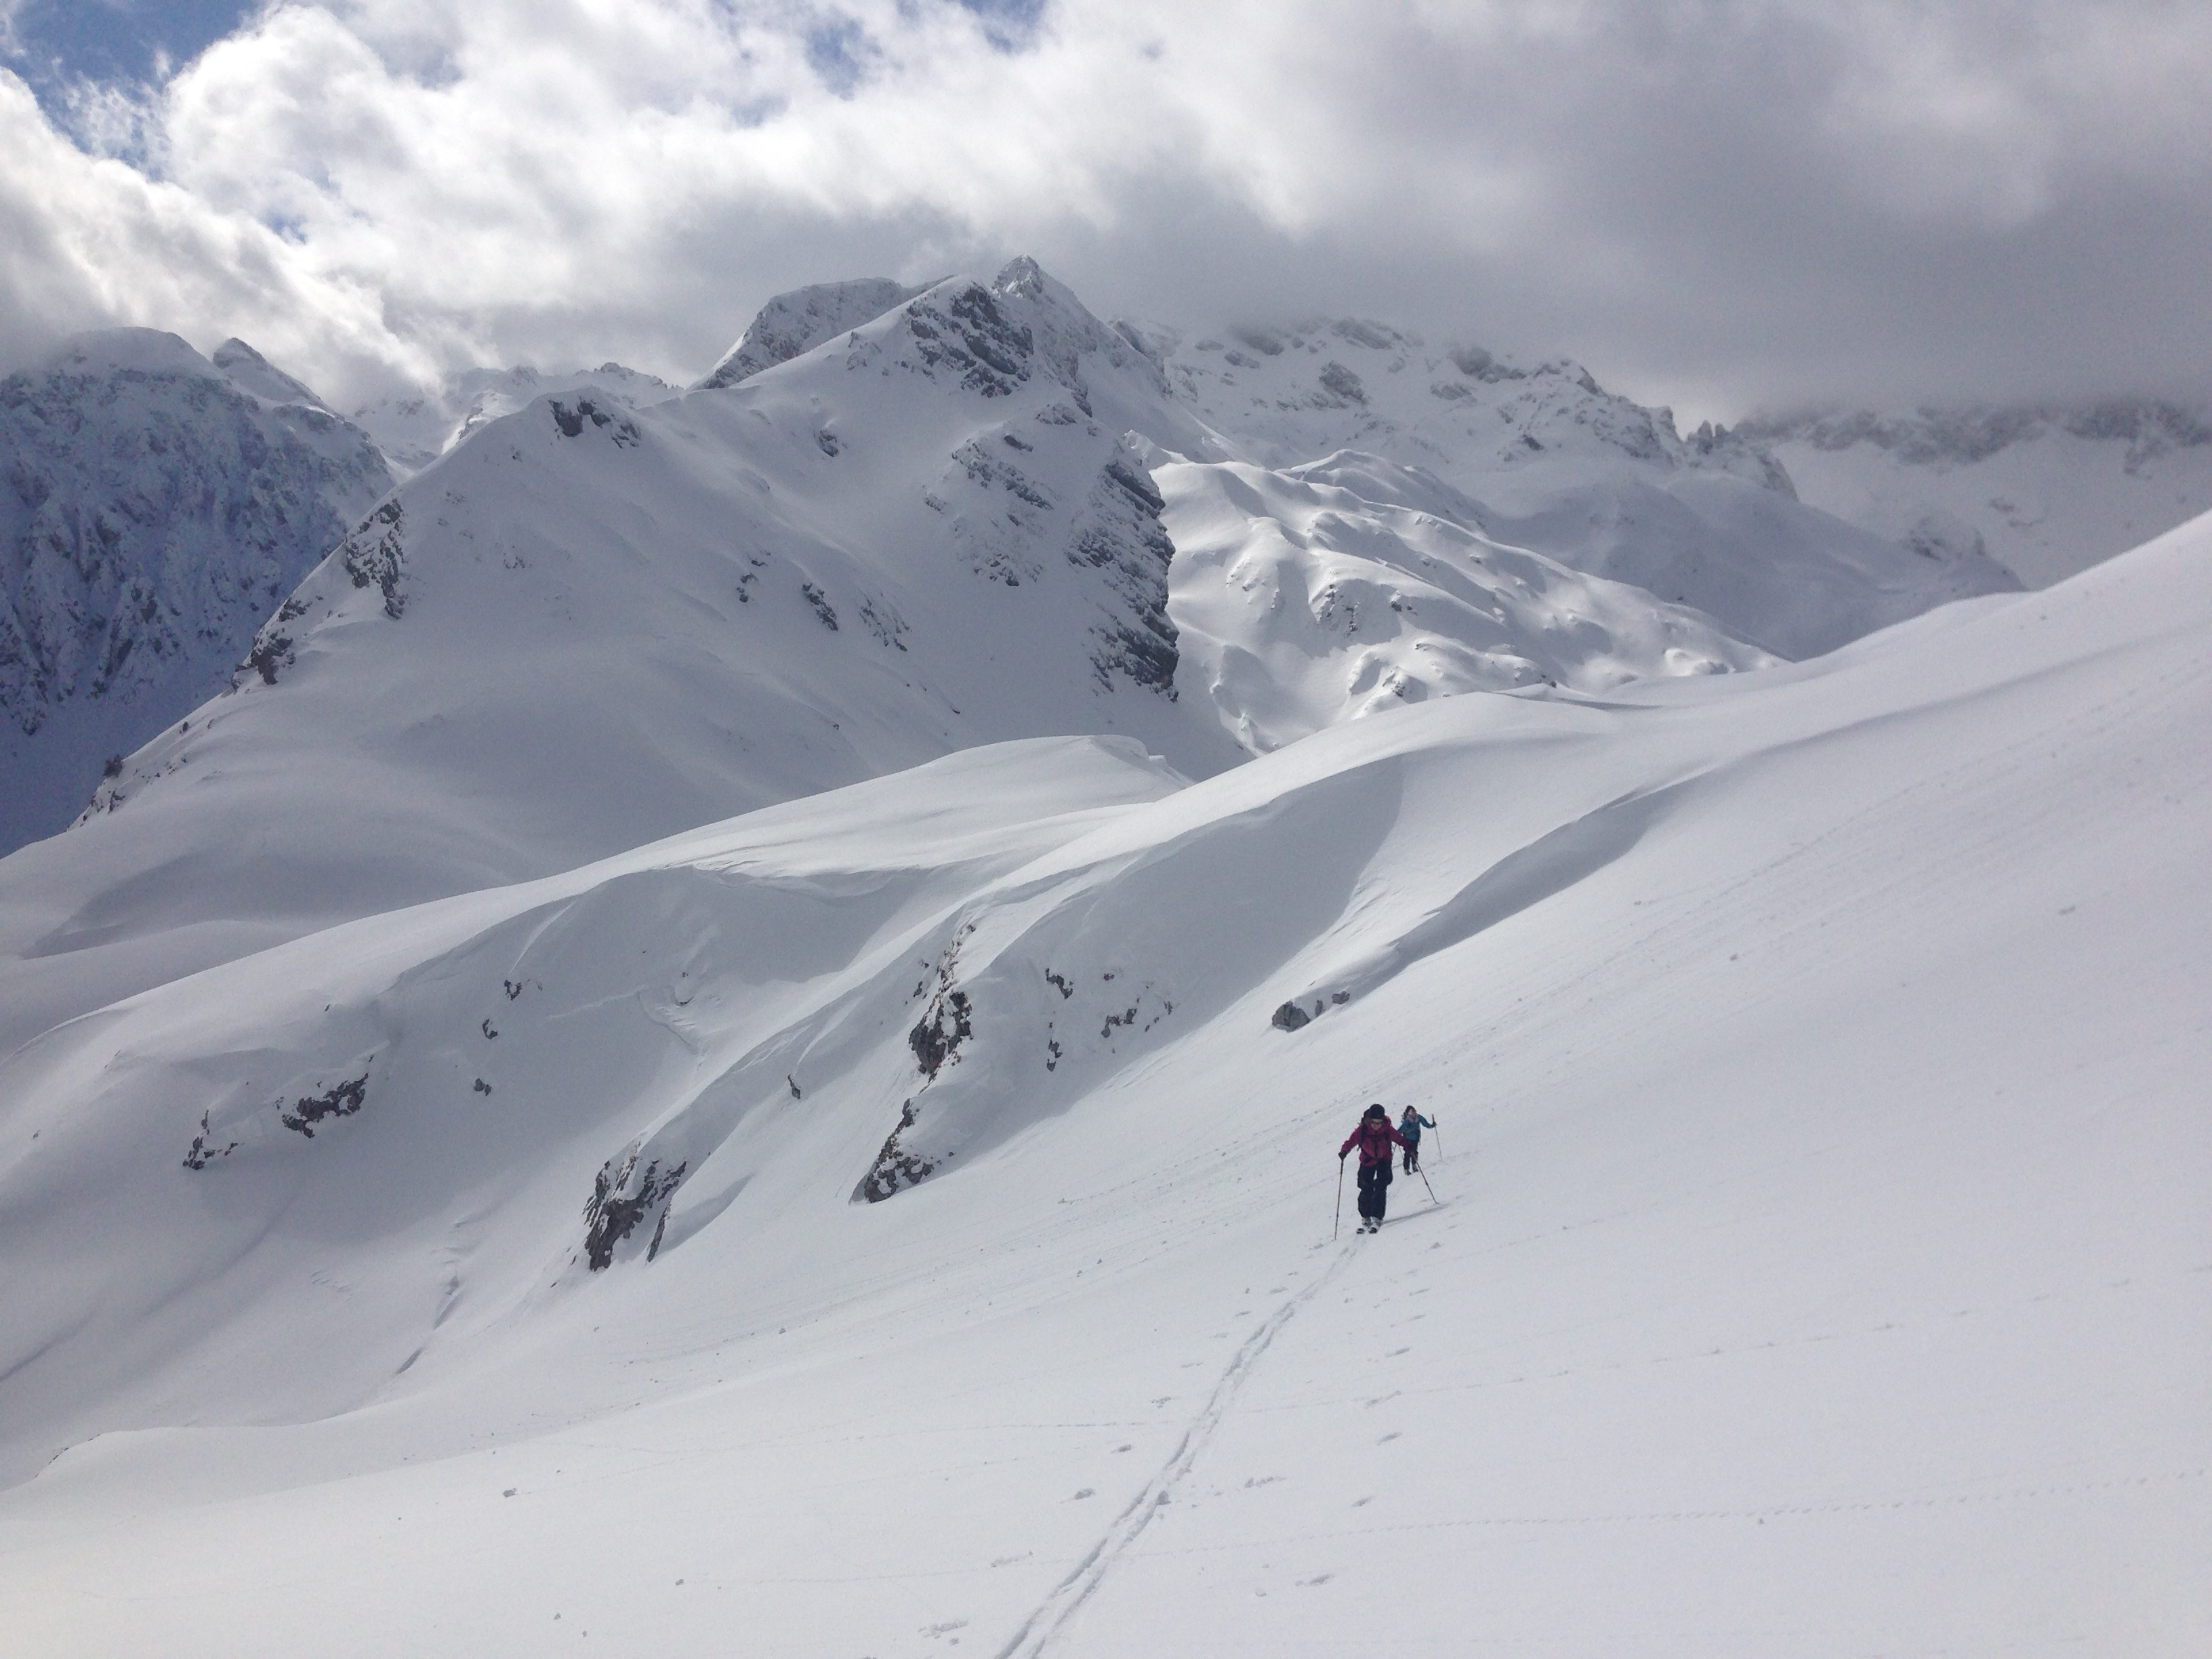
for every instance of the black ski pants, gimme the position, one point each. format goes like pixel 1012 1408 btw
pixel 1414 1157
pixel 1374 1189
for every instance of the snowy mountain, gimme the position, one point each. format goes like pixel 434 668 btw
pixel 157 506
pixel 903 1215
pixel 1545 459
pixel 589 624
pixel 413 429
pixel 2046 490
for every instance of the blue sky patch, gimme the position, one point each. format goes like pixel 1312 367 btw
pixel 54 43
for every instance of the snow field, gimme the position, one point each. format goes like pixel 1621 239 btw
pixel 1823 1268
pixel 1300 604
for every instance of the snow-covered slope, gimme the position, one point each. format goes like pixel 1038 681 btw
pixel 154 507
pixel 1551 461
pixel 1821 1264
pixel 413 429
pixel 2045 491
pixel 1300 602
pixel 590 625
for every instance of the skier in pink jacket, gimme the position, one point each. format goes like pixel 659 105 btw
pixel 1374 1137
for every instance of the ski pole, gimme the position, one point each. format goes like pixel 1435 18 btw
pixel 1424 1174
pixel 1337 1226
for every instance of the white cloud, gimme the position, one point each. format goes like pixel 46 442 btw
pixel 1727 198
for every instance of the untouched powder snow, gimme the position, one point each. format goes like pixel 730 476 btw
pixel 1821 1266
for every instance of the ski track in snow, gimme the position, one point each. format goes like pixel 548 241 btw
pixel 1040 1630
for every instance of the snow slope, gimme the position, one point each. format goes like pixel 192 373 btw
pixel 157 505
pixel 1822 1266
pixel 1300 602
pixel 2045 491
pixel 1545 459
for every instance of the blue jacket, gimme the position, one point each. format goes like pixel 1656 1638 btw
pixel 1412 1127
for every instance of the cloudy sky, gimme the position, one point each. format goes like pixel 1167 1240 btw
pixel 1723 203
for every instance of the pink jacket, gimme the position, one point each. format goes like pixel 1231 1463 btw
pixel 1373 1138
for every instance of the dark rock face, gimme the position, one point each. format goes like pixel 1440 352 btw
pixel 341 1101
pixel 894 1169
pixel 1342 385
pixel 937 1036
pixel 568 420
pixel 622 1195
pixel 970 336
pixel 1119 534
pixel 373 557
pixel 946 1022
pixel 155 508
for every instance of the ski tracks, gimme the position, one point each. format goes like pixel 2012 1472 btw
pixel 1039 1630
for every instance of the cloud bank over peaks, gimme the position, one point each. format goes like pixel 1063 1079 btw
pixel 1717 205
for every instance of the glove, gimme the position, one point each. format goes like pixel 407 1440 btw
pixel 1341 1155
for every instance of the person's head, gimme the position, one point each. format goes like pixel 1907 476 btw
pixel 1377 1111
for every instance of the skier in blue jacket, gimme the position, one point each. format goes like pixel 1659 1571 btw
pixel 1409 1131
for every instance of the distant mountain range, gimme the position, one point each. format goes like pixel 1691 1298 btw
pixel 160 506
pixel 2044 490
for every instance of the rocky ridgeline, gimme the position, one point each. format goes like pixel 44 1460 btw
pixel 2045 488
pixel 1297 392
pixel 1937 434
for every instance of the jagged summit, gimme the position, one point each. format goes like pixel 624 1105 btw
pixel 1297 392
